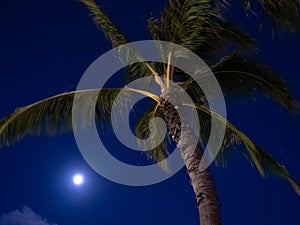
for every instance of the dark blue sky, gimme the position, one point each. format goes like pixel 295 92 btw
pixel 45 46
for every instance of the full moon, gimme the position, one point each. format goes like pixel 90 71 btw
pixel 78 179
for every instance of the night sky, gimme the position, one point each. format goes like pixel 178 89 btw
pixel 45 47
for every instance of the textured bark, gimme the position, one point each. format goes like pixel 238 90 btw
pixel 202 182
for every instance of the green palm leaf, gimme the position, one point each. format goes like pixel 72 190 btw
pixel 263 161
pixel 142 131
pixel 133 71
pixel 103 22
pixel 285 14
pixel 243 75
pixel 199 26
pixel 54 115
pixel 187 18
pixel 240 75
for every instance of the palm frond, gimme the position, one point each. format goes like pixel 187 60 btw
pixel 54 115
pixel 243 75
pixel 139 70
pixel 187 18
pixel 199 26
pixel 154 28
pixel 263 161
pixel 103 22
pixel 285 14
pixel 235 35
pixel 117 38
pixel 142 131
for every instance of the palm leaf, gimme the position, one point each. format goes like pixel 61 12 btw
pixel 263 161
pixel 142 131
pixel 199 26
pixel 103 22
pixel 243 75
pixel 285 14
pixel 239 75
pixel 117 39
pixel 54 115
pixel 187 18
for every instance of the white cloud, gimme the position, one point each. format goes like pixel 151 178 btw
pixel 23 217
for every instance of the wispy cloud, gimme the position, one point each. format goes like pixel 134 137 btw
pixel 23 217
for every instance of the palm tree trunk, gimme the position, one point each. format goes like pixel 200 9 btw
pixel 202 182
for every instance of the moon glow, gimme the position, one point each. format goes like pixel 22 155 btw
pixel 78 179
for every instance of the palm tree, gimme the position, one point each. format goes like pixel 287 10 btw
pixel 201 27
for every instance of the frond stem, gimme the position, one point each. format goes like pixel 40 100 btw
pixel 157 78
pixel 168 76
